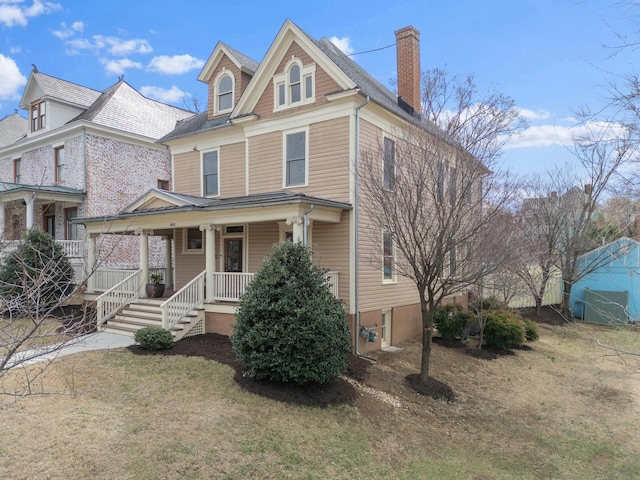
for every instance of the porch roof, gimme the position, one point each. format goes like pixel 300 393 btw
pixel 212 210
pixel 10 192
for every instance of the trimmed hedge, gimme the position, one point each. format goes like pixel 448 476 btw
pixel 503 329
pixel 153 338
pixel 451 321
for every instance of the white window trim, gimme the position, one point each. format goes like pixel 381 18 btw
pixel 202 185
pixel 185 240
pixel 283 79
pixel 223 72
pixel 394 276
pixel 285 133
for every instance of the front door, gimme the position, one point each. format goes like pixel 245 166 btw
pixel 233 255
pixel 49 219
pixel 385 333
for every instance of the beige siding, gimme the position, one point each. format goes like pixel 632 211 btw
pixel 331 250
pixel 232 170
pixel 265 163
pixel 186 171
pixel 261 238
pixel 187 265
pixel 329 160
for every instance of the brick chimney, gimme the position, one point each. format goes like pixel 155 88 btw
pixel 408 59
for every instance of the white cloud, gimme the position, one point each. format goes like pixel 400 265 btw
pixel 343 44
pixel 172 95
pixel 176 65
pixel 11 80
pixel 118 67
pixel 12 14
pixel 66 32
pixel 114 45
pixel 531 115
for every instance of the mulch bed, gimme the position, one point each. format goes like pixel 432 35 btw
pixel 212 346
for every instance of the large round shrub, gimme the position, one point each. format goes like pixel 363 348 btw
pixel 451 321
pixel 503 329
pixel 289 327
pixel 37 276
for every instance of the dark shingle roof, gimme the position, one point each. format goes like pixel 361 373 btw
pixel 242 59
pixel 196 124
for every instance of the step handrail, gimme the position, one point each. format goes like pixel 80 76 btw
pixel 181 303
pixel 122 293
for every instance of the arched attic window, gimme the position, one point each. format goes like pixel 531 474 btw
pixel 295 85
pixel 224 92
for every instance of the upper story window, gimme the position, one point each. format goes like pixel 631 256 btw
pixel 295 159
pixel 58 159
pixel 388 258
pixel 224 92
pixel 389 164
pixel 38 115
pixel 163 184
pixel 17 170
pixel 210 174
pixel 295 86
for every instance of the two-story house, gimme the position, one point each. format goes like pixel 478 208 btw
pixel 273 159
pixel 82 152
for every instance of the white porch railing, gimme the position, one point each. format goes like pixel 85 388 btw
pixel 106 277
pixel 183 301
pixel 117 297
pixel 73 248
pixel 230 286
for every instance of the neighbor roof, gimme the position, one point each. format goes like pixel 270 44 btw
pixel 64 91
pixel 12 128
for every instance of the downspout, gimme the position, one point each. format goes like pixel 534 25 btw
pixel 305 235
pixel 355 214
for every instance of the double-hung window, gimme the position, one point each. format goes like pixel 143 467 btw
pixel 388 258
pixel 224 93
pixel 17 170
pixel 389 164
pixel 295 164
pixel 38 115
pixel 210 174
pixel 58 160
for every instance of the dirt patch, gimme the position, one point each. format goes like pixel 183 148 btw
pixel 217 347
pixel 549 315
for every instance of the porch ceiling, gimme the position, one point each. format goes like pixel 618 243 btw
pixel 276 206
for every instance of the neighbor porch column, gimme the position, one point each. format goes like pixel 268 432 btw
pixel 30 201
pixel 168 263
pixel 210 260
pixel 298 228
pixel 144 259
pixel 91 266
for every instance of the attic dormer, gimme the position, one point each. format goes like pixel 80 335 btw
pixel 227 73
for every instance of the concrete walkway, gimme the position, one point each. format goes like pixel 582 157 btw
pixel 84 343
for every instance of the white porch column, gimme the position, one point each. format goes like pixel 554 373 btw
pixel 30 201
pixel 144 258
pixel 168 264
pixel 210 259
pixel 2 220
pixel 298 228
pixel 91 266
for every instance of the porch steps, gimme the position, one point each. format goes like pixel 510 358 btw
pixel 147 313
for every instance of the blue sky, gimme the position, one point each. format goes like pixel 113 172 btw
pixel 550 56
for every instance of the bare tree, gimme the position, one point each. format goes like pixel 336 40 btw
pixel 481 123
pixel 437 205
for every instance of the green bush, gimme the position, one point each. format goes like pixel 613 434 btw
pixel 503 329
pixel 489 303
pixel 530 330
pixel 289 327
pixel 451 321
pixel 152 338
pixel 37 277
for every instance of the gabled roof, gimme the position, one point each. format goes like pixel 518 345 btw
pixel 124 108
pixel 243 62
pixel 57 89
pixel 12 128
pixel 166 198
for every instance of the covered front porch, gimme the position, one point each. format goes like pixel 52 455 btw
pixel 213 249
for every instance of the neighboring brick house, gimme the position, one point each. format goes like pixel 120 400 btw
pixel 82 152
pixel 272 160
